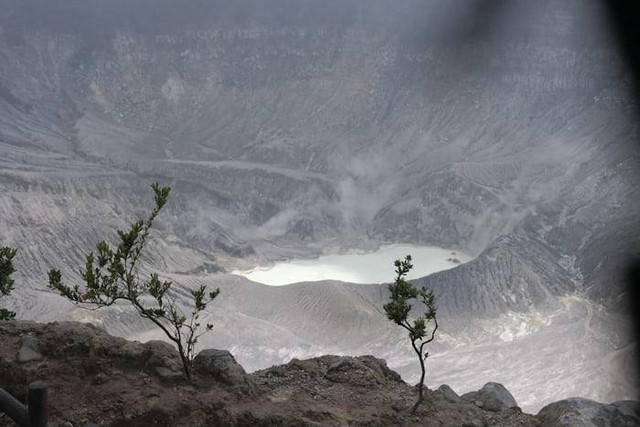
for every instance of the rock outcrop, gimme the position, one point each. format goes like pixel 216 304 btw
pixel 221 366
pixel 492 397
pixel 449 394
pixel 164 359
pixel 94 377
pixel 28 350
pixel 584 412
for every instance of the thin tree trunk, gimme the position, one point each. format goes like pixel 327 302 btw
pixel 185 362
pixel 420 385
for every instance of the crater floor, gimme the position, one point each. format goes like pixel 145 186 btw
pixel 364 268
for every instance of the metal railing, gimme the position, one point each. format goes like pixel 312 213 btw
pixel 34 413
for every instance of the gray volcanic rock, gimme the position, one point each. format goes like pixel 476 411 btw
pixel 502 278
pixel 584 412
pixel 29 350
pixel 363 371
pixel 221 366
pixel 449 394
pixel 164 359
pixel 492 397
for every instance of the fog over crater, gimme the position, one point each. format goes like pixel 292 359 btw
pixel 289 129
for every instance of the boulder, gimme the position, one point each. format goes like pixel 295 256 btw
pixel 362 371
pixel 310 366
pixel 584 412
pixel 164 359
pixel 60 340
pixel 154 402
pixel 492 397
pixel 450 395
pixel 380 367
pixel 28 351
pixel 222 367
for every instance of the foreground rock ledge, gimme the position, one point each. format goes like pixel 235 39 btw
pixel 96 378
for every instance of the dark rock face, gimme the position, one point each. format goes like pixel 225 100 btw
pixel 328 390
pixel 492 397
pixel 374 395
pixel 60 341
pixel 584 412
pixel 220 365
pixel 361 371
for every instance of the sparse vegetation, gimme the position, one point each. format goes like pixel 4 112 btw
pixel 111 275
pixel 6 282
pixel 399 308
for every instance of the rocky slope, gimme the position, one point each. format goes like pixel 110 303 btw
pixel 93 377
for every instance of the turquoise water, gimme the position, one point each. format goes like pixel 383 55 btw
pixel 375 267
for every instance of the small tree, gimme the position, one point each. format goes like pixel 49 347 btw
pixel 398 309
pixel 112 275
pixel 6 282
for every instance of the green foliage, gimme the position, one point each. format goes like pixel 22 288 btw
pixel 6 282
pixel 398 310
pixel 111 274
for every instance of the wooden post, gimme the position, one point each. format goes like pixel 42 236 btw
pixel 14 409
pixel 37 404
